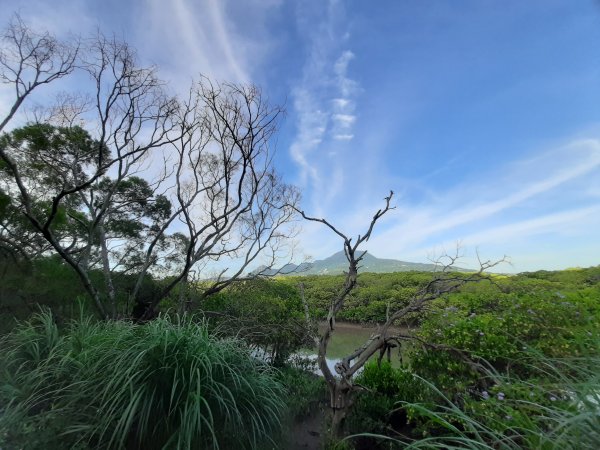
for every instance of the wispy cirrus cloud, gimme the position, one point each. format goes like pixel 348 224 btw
pixel 200 39
pixel 533 179
pixel 560 222
pixel 578 159
pixel 311 126
pixel 323 100
pixel 183 38
pixel 499 212
pixel 343 117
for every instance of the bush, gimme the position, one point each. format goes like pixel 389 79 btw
pixel 560 410
pixel 556 412
pixel 375 408
pixel 265 313
pixel 501 326
pixel 304 390
pixel 514 364
pixel 117 385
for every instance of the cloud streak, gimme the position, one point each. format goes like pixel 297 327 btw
pixel 496 213
pixel 324 103
pixel 521 230
pixel 589 162
pixel 343 112
pixel 199 40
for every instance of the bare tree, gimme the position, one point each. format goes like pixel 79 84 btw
pixel 340 384
pixel 221 199
pixel 230 201
pixel 29 60
pixel 131 114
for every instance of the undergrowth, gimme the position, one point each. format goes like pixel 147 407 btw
pixel 165 384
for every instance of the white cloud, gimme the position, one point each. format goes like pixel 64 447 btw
pixel 344 119
pixel 346 85
pixel 341 65
pixel 506 210
pixel 551 223
pixel 540 242
pixel 340 104
pixel 324 102
pixel 523 181
pixel 234 60
pixel 200 39
pixel 343 137
pixel 310 131
pixel 184 38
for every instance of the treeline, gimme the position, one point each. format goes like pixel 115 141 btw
pixel 487 361
pixel 375 294
pixel 49 281
pixel 274 307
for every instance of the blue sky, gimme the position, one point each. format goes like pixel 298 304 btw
pixel 483 116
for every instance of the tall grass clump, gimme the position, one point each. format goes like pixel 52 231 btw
pixel 557 409
pixel 167 384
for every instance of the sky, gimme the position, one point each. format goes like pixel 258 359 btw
pixel 483 116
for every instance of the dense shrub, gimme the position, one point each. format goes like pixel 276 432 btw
pixel 501 325
pixel 51 283
pixel 304 390
pixel 375 409
pixel 513 364
pixel 369 301
pixel 118 385
pixel 265 313
pixel 558 411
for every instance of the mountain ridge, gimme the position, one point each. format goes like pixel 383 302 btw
pixel 337 264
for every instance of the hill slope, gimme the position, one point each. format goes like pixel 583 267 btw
pixel 337 263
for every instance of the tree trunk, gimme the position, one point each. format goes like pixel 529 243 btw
pixel 337 424
pixel 110 288
pixel 184 303
pixel 340 402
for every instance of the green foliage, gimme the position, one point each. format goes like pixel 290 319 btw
pixel 51 158
pixel 375 408
pixel 5 202
pixel 116 385
pixel 400 384
pixel 304 390
pixel 266 313
pixel 376 292
pixel 49 282
pixel 46 282
pixel 133 204
pixel 513 365
pixel 370 300
pixel 557 317
pixel 560 411
pixel 70 197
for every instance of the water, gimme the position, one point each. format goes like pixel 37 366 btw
pixel 346 339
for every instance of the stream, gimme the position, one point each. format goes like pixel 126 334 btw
pixel 347 338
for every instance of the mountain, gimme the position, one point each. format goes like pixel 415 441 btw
pixel 337 263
